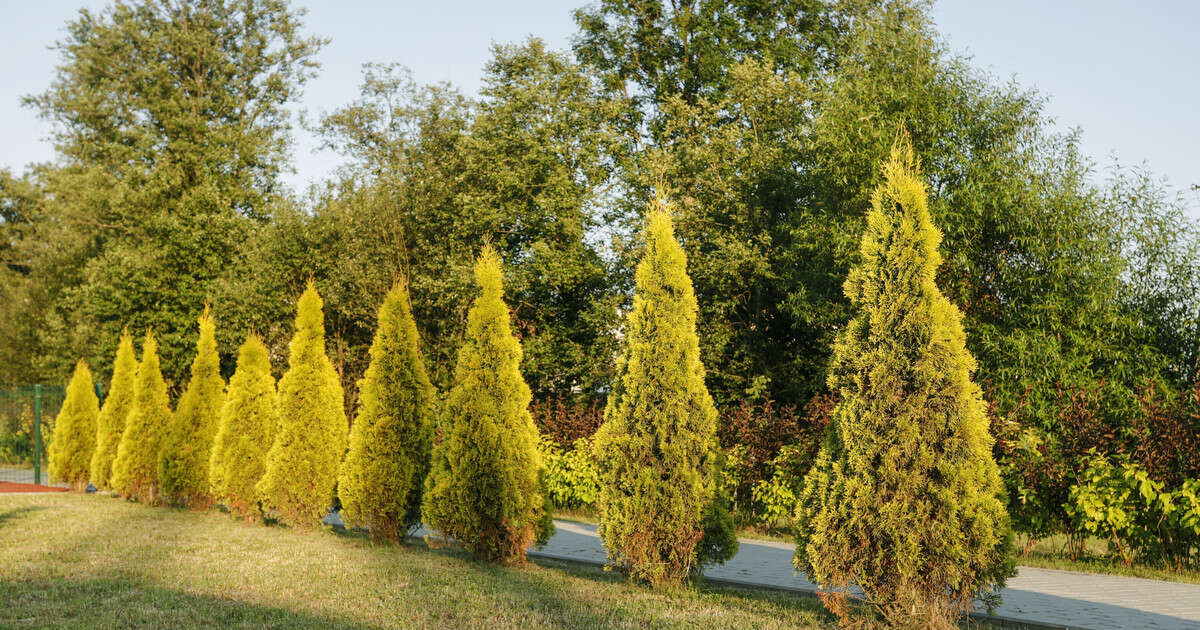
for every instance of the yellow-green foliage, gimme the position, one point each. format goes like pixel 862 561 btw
pixel 904 500
pixel 75 430
pixel 485 488
pixel 302 465
pixel 383 477
pixel 115 412
pixel 245 431
pixel 183 461
pixel 657 447
pixel 135 471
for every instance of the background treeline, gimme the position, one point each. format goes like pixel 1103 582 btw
pixel 765 123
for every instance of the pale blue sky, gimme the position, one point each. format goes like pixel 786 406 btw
pixel 1126 72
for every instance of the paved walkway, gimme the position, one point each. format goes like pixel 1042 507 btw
pixel 1044 597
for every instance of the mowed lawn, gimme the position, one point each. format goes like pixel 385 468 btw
pixel 69 560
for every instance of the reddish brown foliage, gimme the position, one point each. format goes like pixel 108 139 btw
pixel 765 428
pixel 1166 439
pixel 564 422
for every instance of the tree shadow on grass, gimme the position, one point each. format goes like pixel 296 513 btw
pixel 551 592
pixel 124 603
pixel 8 515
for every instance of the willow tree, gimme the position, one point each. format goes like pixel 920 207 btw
pixel 246 430
pixel 904 501
pixel 183 461
pixel 383 477
pixel 485 488
pixel 657 447
pixel 302 465
pixel 75 430
pixel 115 412
pixel 135 471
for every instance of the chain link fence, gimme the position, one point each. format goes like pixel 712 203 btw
pixel 27 415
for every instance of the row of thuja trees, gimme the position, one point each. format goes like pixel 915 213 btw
pixel 904 500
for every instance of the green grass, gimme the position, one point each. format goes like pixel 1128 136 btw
pixel 1050 553
pixel 70 560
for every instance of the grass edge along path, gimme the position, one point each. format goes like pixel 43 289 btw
pixel 94 561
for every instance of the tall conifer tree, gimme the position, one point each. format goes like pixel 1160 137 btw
pixel 75 430
pixel 904 500
pixel 383 477
pixel 183 462
pixel 246 431
pixel 114 413
pixel 302 465
pixel 486 488
pixel 135 471
pixel 657 447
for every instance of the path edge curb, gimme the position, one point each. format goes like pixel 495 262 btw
pixel 1002 620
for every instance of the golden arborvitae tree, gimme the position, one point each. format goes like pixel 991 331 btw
pixel 135 471
pixel 302 466
pixel 383 477
pixel 183 461
pixel 904 500
pixel 75 430
pixel 115 412
pixel 246 431
pixel 657 448
pixel 485 488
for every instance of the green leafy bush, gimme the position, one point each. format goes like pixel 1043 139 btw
pixel 572 479
pixel 776 498
pixel 1116 500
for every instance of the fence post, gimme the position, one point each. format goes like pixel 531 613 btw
pixel 37 435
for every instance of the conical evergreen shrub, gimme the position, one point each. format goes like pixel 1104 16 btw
pixel 183 461
pixel 485 488
pixel 383 477
pixel 302 466
pixel 74 437
pixel 904 500
pixel 245 432
pixel 135 471
pixel 114 413
pixel 657 448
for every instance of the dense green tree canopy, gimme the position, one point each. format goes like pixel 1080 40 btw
pixel 171 127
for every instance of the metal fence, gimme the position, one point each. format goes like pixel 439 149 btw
pixel 27 415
